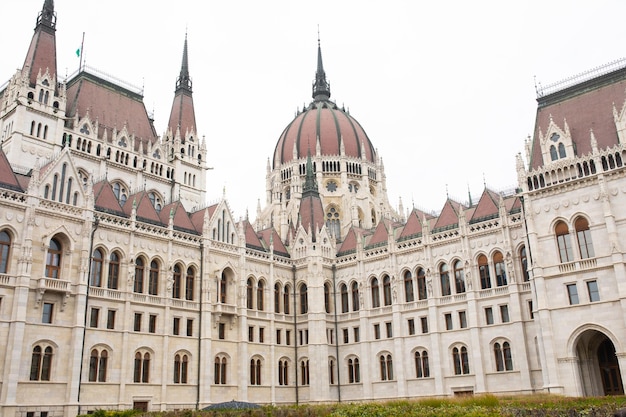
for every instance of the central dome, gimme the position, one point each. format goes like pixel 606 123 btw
pixel 325 125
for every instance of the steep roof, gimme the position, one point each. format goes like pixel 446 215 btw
pixel 105 200
pixel 349 243
pixel 8 179
pixel 586 105
pixel 41 55
pixel 449 216
pixel 487 206
pixel 112 105
pixel 380 236
pixel 145 209
pixel 181 218
pixel 270 235
pixel 252 239
pixel 413 226
pixel 197 217
pixel 183 115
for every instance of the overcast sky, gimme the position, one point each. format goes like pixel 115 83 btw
pixel 444 89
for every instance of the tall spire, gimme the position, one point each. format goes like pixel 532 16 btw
pixel 321 87
pixel 183 114
pixel 310 184
pixel 47 17
pixel 184 81
pixel 41 55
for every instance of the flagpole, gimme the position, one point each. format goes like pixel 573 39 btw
pixel 80 65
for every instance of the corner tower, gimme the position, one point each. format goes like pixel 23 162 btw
pixel 184 149
pixel 32 104
pixel 348 172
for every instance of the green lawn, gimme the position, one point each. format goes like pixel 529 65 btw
pixel 476 406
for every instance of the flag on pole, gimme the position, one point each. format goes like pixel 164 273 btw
pixel 78 53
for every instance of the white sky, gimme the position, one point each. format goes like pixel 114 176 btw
pixel 444 89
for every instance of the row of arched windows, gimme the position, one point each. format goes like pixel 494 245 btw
pixel 36 130
pixel 583 239
pixel 106 272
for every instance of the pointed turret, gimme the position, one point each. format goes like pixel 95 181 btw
pixel 321 87
pixel 183 115
pixel 41 56
pixel 311 210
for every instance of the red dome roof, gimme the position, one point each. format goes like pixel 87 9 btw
pixel 325 122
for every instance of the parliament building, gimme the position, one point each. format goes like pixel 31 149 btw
pixel 120 287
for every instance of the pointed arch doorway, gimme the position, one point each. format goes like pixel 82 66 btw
pixel 598 365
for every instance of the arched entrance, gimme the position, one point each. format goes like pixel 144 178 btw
pixel 598 365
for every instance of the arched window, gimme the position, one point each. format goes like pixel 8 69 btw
pixel 422 370
pixel 444 276
pixel 53 259
pixel 5 245
pixel 283 372
pixel 561 150
pixel 564 242
pixel 461 360
pixel 41 363
pixel 224 289
pixel 553 154
pixel 219 371
pixel 375 293
pixel 331 371
pixel 354 371
pixel 141 371
pixel 483 271
pixel 344 298
pixel 585 246
pixel 459 277
pixel 96 268
pixel 139 270
pixel 304 299
pixel 524 263
pixel 422 294
pixel 177 278
pixel 387 290
pixel 181 365
pixel 502 353
pixel 286 303
pixel 277 298
pixel 409 295
pixel 98 365
pixel 255 371
pixel 498 263
pixel 259 295
pixel 333 221
pixel 249 294
pixel 386 368
pixel 190 281
pixel 114 271
pixel 355 296
pixel 153 283
pixel 304 372
pixel 327 297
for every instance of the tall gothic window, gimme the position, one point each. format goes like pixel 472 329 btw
pixel 409 295
pixel 177 281
pixel 5 245
pixel 564 242
pixel 422 293
pixel 387 290
pixel 189 283
pixel 444 276
pixel 114 271
pixel 524 263
pixel 304 299
pixel 139 271
pixel 53 259
pixel 375 293
pixel 356 304
pixel 96 268
pixel 344 298
pixel 498 263
pixel 583 235
pixel 483 271
pixel 98 365
pixel 459 277
pixel 153 282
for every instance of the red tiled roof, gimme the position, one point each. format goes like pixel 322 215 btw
pixel 380 236
pixel 330 124
pixel 584 107
pixel 112 106
pixel 266 234
pixel 487 205
pixel 311 214
pixel 145 209
pixel 7 176
pixel 252 239
pixel 181 217
pixel 412 227
pixel 104 198
pixel 197 217
pixel 182 113
pixel 41 54
pixel 349 242
pixel 449 215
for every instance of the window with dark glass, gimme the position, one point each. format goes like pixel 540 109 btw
pixel 153 282
pixel 177 277
pixel 139 270
pixel 343 289
pixel 572 293
pixel 5 246
pixel 583 234
pixel 459 277
pixel 422 369
pixel 114 271
pixel 498 263
pixel 375 293
pixel 592 290
pixel 564 242
pixel 53 259
pixel 444 277
pixel 96 268
pixel 408 287
pixel 189 283
pixel 355 296
pixel 483 270
pixel 422 294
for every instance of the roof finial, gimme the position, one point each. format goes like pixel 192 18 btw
pixel 184 80
pixel 321 87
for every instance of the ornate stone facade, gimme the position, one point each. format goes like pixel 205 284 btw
pixel 120 289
